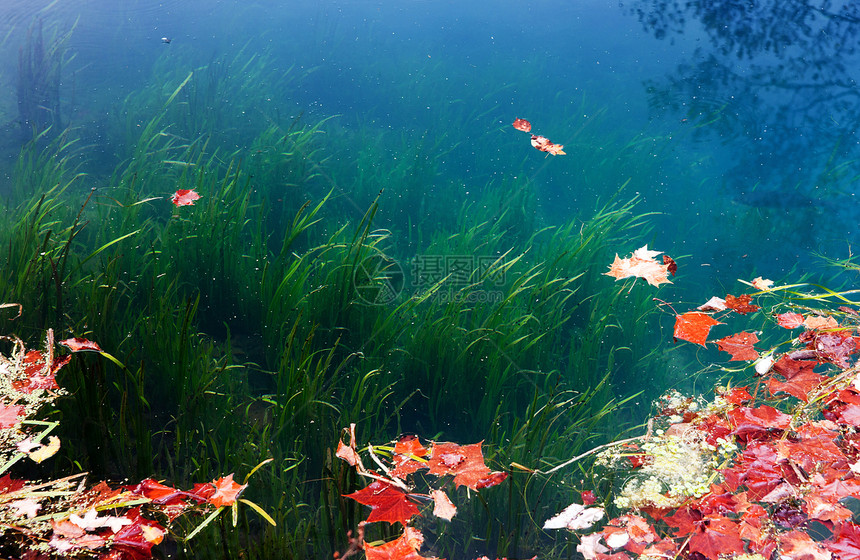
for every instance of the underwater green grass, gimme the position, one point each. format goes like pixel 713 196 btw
pixel 251 328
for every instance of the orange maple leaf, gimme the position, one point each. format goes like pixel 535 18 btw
pixel 226 491
pixel 406 450
pixel 404 547
pixel 694 327
pixel 641 264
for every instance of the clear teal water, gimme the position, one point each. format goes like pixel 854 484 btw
pixel 734 123
pixel 750 107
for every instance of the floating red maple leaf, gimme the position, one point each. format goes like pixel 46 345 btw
pixel 404 547
pixel 797 544
pixel 800 378
pixel 406 450
pixel 387 503
pixel 741 304
pixel 717 535
pixel 847 545
pixel 811 445
pixel 694 327
pixel 789 320
pixel 671 265
pixel 348 452
pixel 37 373
pixel 740 346
pixel 756 421
pixel 226 491
pixel 162 494
pixel 541 143
pixel 80 345
pixel 184 197
pixel 137 539
pixel 9 415
pixel 523 125
pixel 8 485
pixel 465 462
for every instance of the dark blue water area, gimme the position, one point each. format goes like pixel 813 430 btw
pixel 744 113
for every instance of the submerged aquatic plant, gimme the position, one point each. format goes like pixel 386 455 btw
pixel 67 517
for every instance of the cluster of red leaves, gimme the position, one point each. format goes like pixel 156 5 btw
pixel 65 516
pixel 694 326
pixel 391 494
pixel 789 490
pixel 541 143
pixel 104 521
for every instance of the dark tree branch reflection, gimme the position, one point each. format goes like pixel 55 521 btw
pixel 775 79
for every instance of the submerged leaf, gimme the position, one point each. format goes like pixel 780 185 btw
pixel 184 197
pixel 80 345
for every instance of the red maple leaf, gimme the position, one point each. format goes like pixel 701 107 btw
pixel 184 197
pixel 136 540
pixel 789 320
pixel 736 395
pixel 694 327
pixel 844 407
pixel 811 446
pixel 492 479
pixel 800 378
pixel 847 545
pixel 404 547
pixel 797 544
pixel 405 452
pixel 741 304
pixel 226 491
pixel 8 485
pixel 523 125
pixel 759 468
pixel 716 535
pixel 9 415
pixel 757 421
pixel 465 462
pixel 80 345
pixel 740 346
pixel 834 347
pixel 387 503
pixel 162 494
pixel 37 375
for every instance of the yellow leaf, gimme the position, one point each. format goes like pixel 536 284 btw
pixel 45 451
